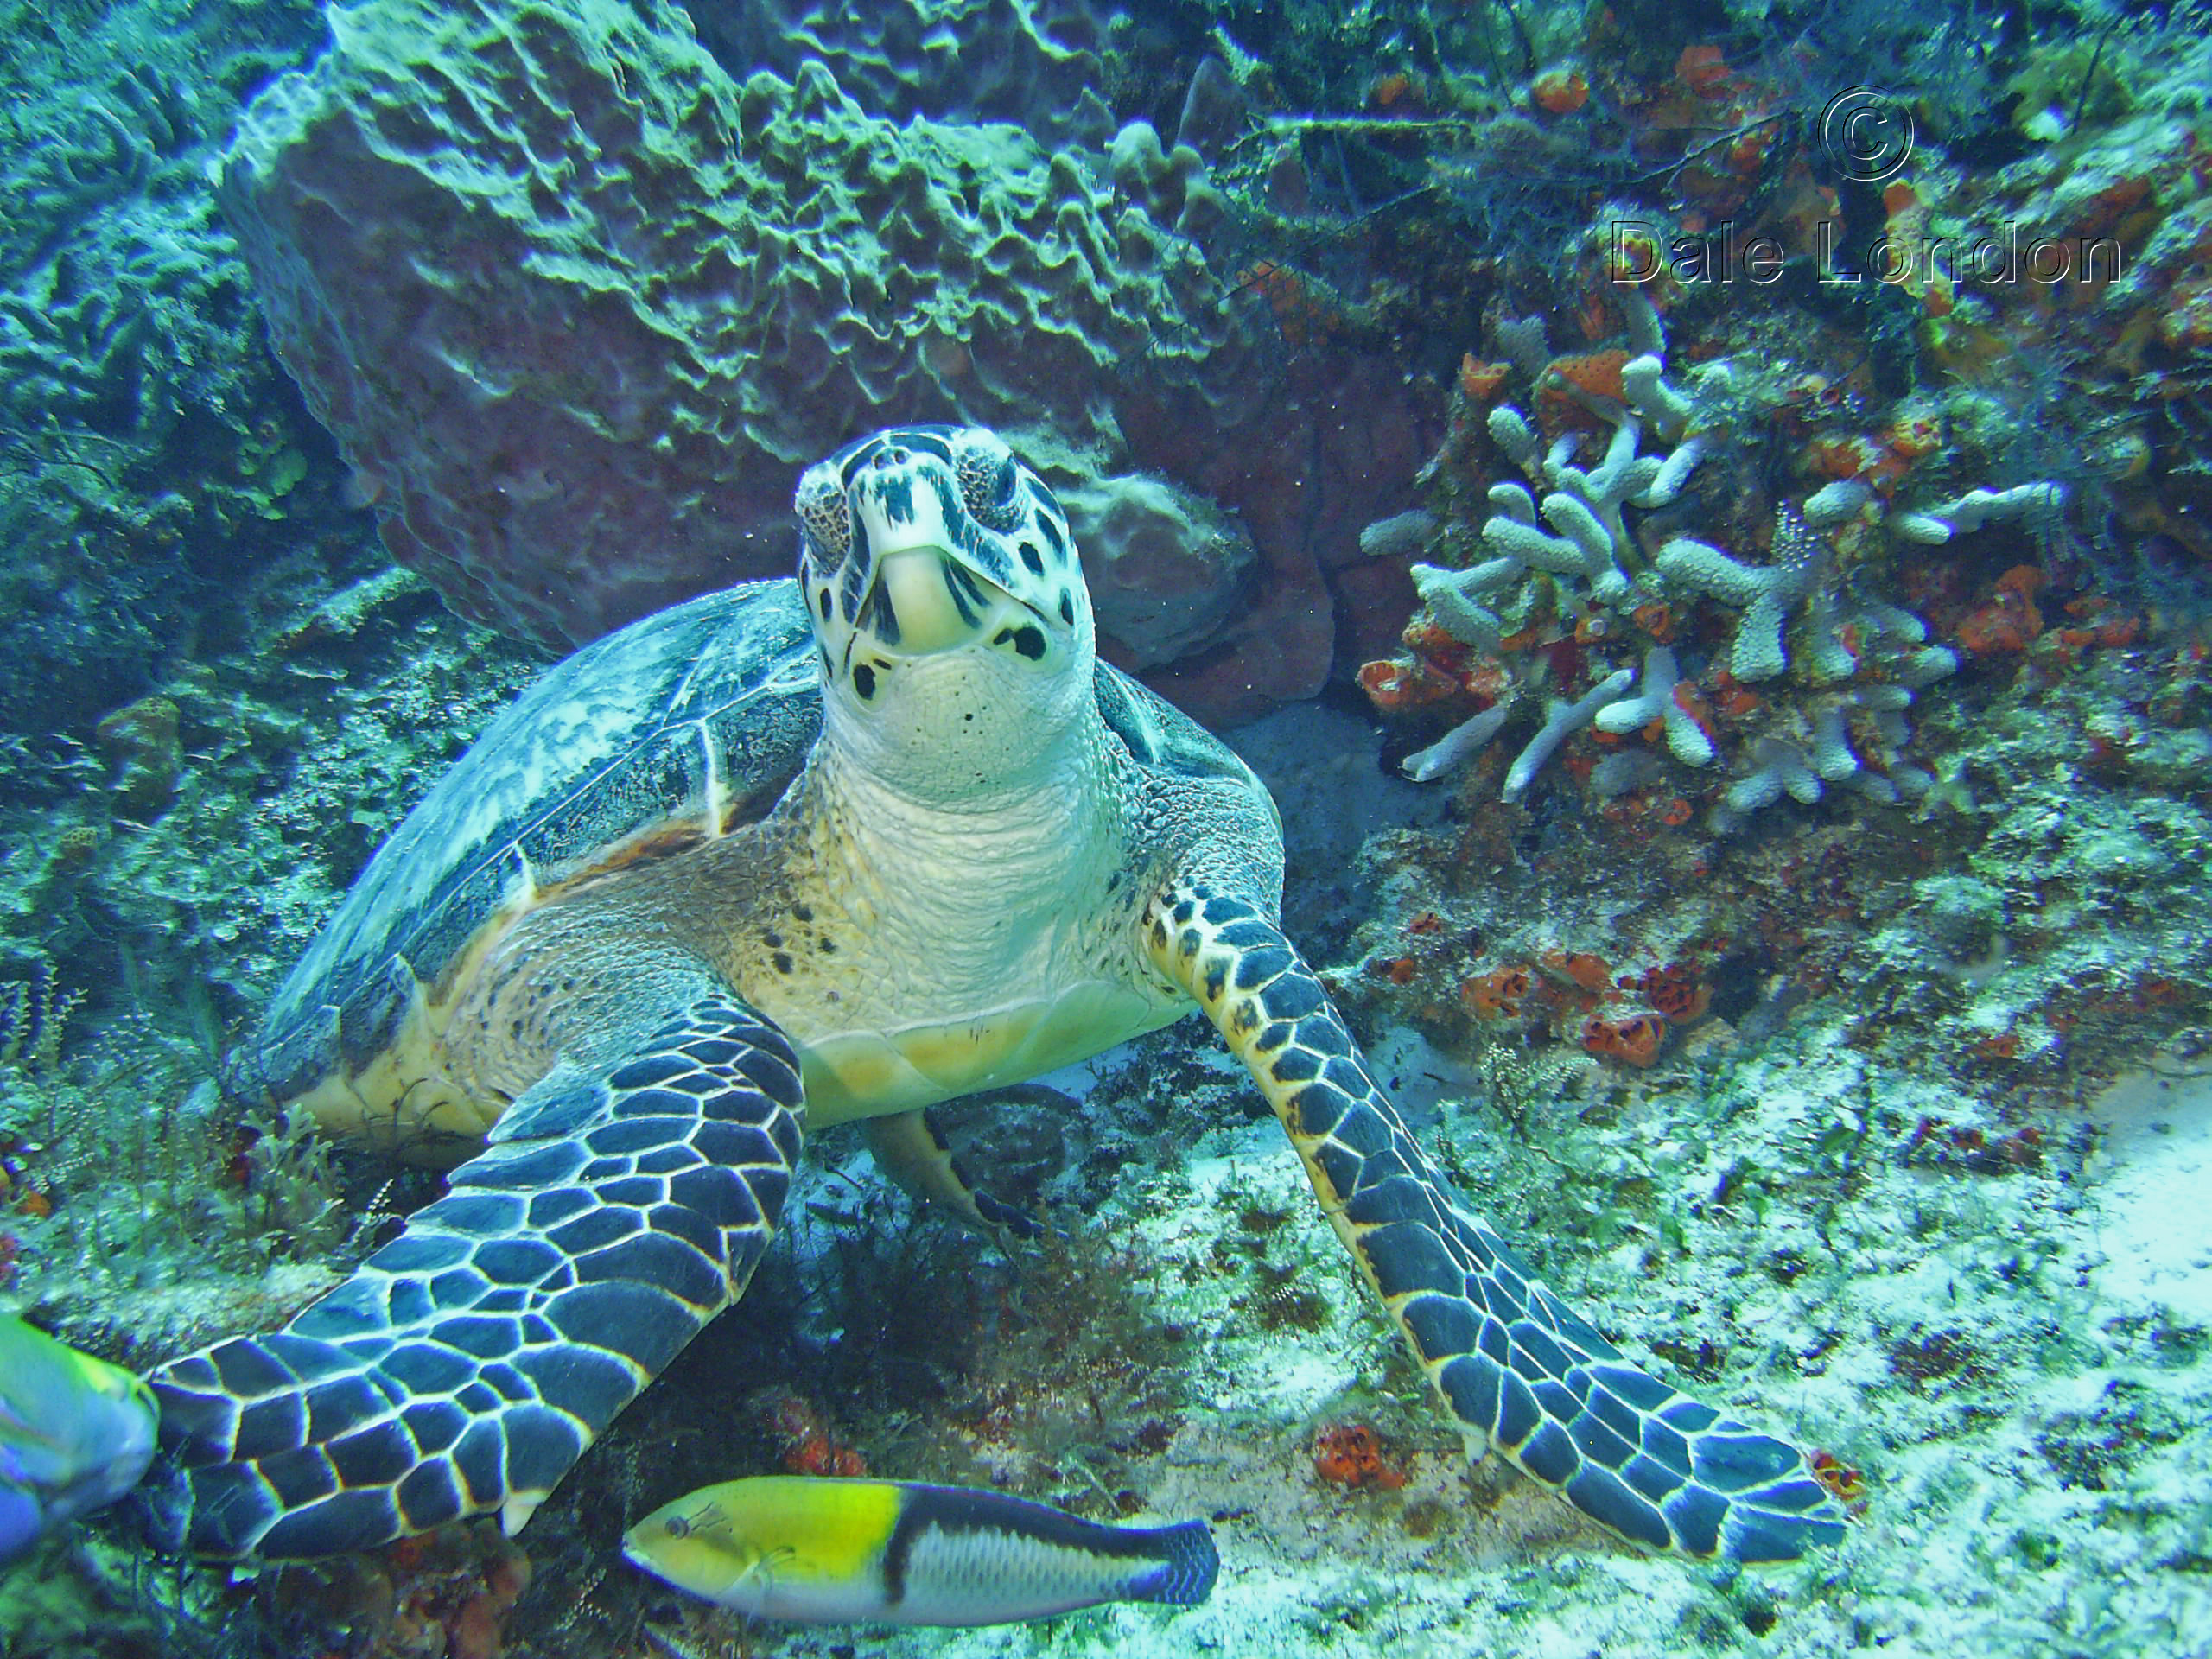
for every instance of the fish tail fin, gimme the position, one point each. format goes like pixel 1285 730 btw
pixel 1183 1572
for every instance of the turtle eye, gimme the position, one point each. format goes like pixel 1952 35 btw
pixel 822 511
pixel 990 489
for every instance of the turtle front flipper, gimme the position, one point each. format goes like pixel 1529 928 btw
pixel 467 1363
pixel 1518 1369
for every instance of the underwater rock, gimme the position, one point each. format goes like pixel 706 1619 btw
pixel 1168 566
pixel 140 739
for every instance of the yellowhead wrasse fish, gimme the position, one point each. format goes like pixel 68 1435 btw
pixel 841 1552
pixel 75 1433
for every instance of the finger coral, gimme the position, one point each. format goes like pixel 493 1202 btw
pixel 1963 514
pixel 1662 697
pixel 1594 552
pixel 1767 594
pixel 1561 718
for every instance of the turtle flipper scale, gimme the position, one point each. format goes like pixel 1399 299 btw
pixel 1518 1369
pixel 467 1363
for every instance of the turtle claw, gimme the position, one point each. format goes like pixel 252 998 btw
pixel 1006 1219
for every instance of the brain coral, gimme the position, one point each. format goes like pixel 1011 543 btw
pixel 576 304
pixel 1033 62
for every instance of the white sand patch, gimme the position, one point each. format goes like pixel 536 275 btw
pixel 2152 1181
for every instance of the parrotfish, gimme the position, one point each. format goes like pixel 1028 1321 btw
pixel 833 1552
pixel 76 1433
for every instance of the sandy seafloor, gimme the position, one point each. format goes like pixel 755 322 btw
pixel 2045 1491
pixel 1972 1541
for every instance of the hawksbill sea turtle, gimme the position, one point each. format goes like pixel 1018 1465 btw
pixel 844 845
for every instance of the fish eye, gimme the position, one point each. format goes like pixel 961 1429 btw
pixel 678 1527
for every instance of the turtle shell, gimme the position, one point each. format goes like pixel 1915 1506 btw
pixel 683 724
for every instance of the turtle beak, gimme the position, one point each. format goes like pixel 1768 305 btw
pixel 922 598
pixel 924 602
pixel 926 592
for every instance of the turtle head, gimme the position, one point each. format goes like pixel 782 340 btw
pixel 955 631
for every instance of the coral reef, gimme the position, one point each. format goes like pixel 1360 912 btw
pixel 1569 594
pixel 1808 1093
pixel 658 287
pixel 976 61
pixel 591 411
pixel 1852 989
pixel 120 293
pixel 136 393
